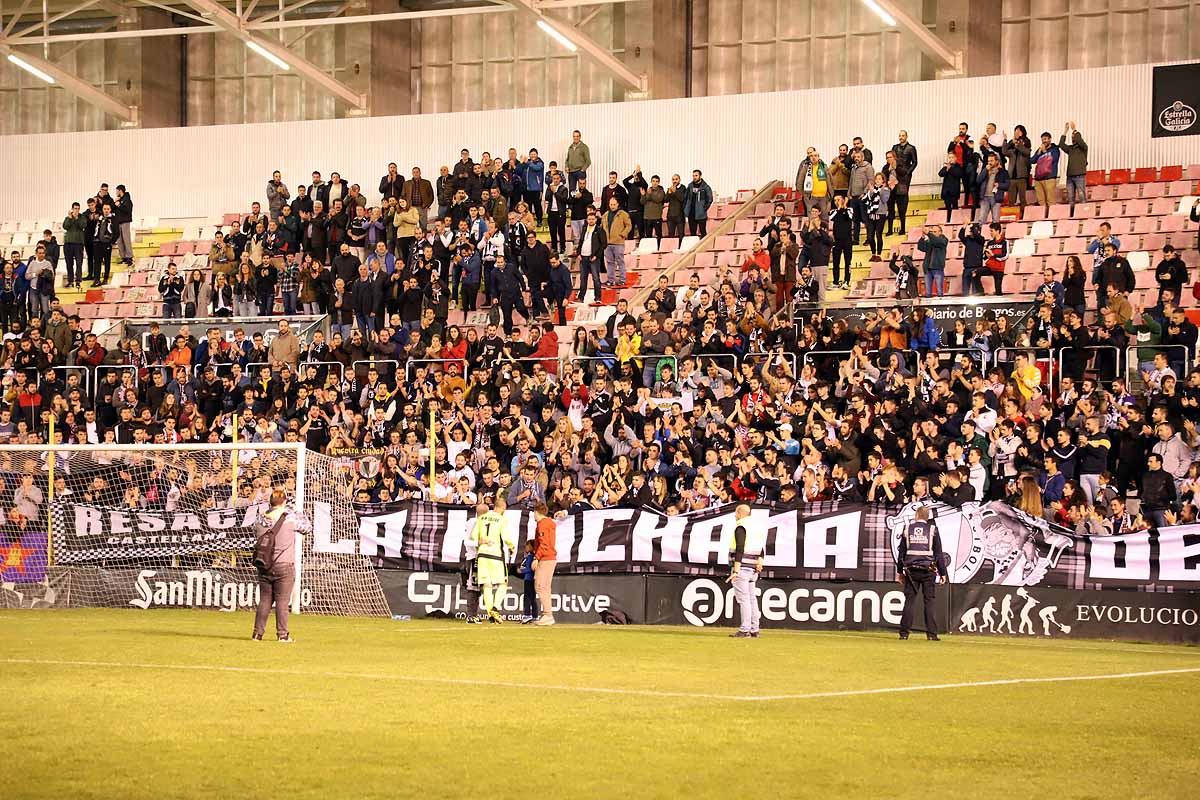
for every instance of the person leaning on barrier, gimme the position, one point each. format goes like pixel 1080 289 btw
pixel 920 566
pixel 275 559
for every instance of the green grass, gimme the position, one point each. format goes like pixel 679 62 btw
pixel 369 708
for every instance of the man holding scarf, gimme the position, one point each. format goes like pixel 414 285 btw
pixel 812 182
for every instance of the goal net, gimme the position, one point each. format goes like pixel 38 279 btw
pixel 173 526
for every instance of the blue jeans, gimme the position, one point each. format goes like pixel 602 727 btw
pixel 589 265
pixel 988 207
pixel 932 278
pixel 173 310
pixel 1076 184
pixel 289 302
pixel 573 178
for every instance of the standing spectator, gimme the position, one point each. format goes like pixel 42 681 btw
pixel 933 244
pixel 1045 171
pixel 959 151
pixel 991 186
pixel 839 171
pixel 420 195
pixel 277 195
pixel 677 195
pixel 897 179
pixel 906 153
pixel 391 185
pixel 578 160
pixel 509 286
pixel 997 257
pixel 613 188
pixel 1017 151
pixel 862 178
pixel 590 246
pixel 876 206
pixel 952 178
pixel 40 274
pixel 197 295
pixel 1116 272
pixel 535 264
pixel 89 233
pixel 559 286
pixel 289 283
pixel 533 178
pixel 699 198
pixel 170 288
pixel 973 247
pixel 579 201
pixel 635 187
pixel 124 215
pixel 1077 164
pixel 653 201
pixel 556 213
pixel 1171 273
pixel 74 234
pixel 812 182
pixel 841 222
pixel 285 347
pixel 105 232
pixel 616 225
pixel 1096 248
pixel 407 221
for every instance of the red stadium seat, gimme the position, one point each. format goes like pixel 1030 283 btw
pixel 1145 175
pixel 1095 177
pixel 1119 176
pixel 1171 173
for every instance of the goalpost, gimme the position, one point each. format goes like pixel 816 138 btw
pixel 150 526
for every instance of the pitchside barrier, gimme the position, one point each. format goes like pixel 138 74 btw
pixel 827 566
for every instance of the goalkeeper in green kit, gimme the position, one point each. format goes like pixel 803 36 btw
pixel 494 545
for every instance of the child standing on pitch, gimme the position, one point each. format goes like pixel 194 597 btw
pixel 531 604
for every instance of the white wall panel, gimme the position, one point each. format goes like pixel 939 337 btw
pixel 740 141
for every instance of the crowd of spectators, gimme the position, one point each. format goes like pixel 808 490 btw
pixel 743 387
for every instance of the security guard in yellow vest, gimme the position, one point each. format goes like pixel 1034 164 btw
pixel 920 566
pixel 494 545
pixel 746 553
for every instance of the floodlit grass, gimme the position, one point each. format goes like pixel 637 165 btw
pixel 376 708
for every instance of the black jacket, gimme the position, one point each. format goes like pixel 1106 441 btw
pixel 1115 271
pixel 535 263
pixel 123 210
pixel 391 188
pixel 1158 489
pixel 599 240
pixel 579 202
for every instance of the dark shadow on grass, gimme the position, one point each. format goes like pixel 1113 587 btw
pixel 175 634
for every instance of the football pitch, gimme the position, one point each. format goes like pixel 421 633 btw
pixel 181 704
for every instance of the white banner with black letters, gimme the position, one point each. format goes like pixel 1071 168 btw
pixel 86 533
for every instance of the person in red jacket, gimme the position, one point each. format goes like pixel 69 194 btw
pixel 91 354
pixel 545 557
pixel 996 252
pixel 547 349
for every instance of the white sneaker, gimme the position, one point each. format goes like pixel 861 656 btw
pixel 287 640
pixel 545 621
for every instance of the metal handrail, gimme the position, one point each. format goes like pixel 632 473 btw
pixel 1131 361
